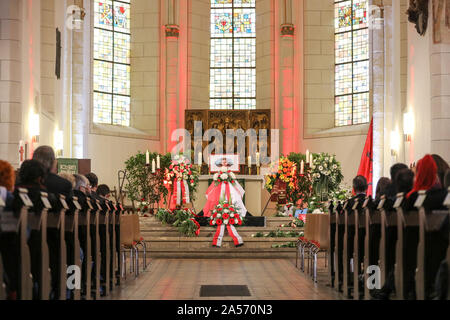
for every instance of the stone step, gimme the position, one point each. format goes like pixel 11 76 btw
pixel 209 232
pixel 224 253
pixel 206 242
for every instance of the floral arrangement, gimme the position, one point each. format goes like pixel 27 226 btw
pixel 225 213
pixel 326 174
pixel 179 176
pixel 284 170
pixel 287 210
pixel 143 207
pixel 165 216
pixel 183 220
pixel 278 234
pixel 224 176
pixel 316 203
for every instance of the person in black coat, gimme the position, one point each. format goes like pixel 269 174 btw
pixel 54 183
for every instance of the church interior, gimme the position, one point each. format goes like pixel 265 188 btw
pixel 224 150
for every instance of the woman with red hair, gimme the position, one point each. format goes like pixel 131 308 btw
pixel 7 180
pixel 426 175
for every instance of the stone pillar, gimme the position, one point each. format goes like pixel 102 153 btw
pixel 287 111
pixel 377 75
pixel 173 71
pixel 10 80
pixel 440 99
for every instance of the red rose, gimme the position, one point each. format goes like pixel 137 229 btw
pixel 211 222
pixel 232 181
pixel 226 216
pixel 190 172
pixel 138 210
pixel 232 209
pixel 226 205
pixel 143 199
pixel 240 222
pixel 214 215
pixel 219 209
pixel 192 181
pixel 145 208
pixel 219 222
pixel 232 222
pixel 171 166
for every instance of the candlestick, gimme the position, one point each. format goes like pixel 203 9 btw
pixel 302 167
pixel 257 160
pixel 147 158
pixel 307 156
pixel 153 166
pixel 249 165
pixel 158 162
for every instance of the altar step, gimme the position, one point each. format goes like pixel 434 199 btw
pixel 164 241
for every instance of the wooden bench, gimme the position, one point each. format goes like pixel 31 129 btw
pixel 372 240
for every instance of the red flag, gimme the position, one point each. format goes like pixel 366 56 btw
pixel 366 165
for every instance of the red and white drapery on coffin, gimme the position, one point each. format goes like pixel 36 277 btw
pixel 224 191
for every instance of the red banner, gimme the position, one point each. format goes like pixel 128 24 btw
pixel 366 165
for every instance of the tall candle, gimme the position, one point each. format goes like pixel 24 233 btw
pixel 302 167
pixel 200 158
pixel 249 161
pixel 257 159
pixel 147 158
pixel 311 159
pixel 307 156
pixel 158 162
pixel 153 166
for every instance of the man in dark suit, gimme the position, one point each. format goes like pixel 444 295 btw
pixel 54 183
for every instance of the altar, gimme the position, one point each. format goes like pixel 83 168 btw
pixel 255 197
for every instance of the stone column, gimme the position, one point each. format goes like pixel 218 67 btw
pixel 377 81
pixel 287 112
pixel 10 80
pixel 440 99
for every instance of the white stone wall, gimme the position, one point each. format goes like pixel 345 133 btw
pixel 48 56
pixel 319 65
pixel 10 80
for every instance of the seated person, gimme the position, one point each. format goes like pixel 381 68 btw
pixel 103 191
pixel 382 188
pixel 7 180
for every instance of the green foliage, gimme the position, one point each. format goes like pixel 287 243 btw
pixel 284 245
pixel 142 185
pixel 165 216
pixel 279 234
pixel 187 228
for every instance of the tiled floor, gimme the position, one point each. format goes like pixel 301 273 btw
pixel 180 279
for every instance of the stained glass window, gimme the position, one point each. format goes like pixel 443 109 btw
pixel 233 54
pixel 352 62
pixel 112 62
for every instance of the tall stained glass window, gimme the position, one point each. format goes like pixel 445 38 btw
pixel 233 54
pixel 112 62
pixel 352 62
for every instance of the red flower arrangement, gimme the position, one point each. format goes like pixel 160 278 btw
pixel 225 213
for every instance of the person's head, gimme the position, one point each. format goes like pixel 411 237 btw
pixel 426 174
pixel 360 185
pixel 93 181
pixel 382 187
pixel 7 175
pixel 103 191
pixel 32 172
pixel 69 177
pixel 395 169
pixel 46 156
pixel 404 180
pixel 442 167
pixel 447 179
pixel 81 183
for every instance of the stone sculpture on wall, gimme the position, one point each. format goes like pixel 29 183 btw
pixel 418 14
pixel 441 21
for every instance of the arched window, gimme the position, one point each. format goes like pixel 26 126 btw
pixel 112 62
pixel 352 62
pixel 233 54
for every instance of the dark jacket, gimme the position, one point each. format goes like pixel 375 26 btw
pixel 57 185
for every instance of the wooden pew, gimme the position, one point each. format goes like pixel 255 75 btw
pixel 95 240
pixel 339 243
pixel 432 246
pixel 447 204
pixel 112 246
pixel 349 218
pixel 331 249
pixel 388 218
pixel 72 238
pixel 25 278
pixel 358 247
pixel 407 230
pixel 372 219
pixel 105 245
pixel 118 242
pixel 85 239
pixel 37 223
pixel 2 285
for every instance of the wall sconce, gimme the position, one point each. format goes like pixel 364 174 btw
pixel 59 142
pixel 395 143
pixel 408 126
pixel 34 127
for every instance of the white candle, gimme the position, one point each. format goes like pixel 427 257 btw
pixel 249 161
pixel 153 166
pixel 302 167
pixel 158 162
pixel 147 158
pixel 311 159
pixel 200 158
pixel 307 156
pixel 257 159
